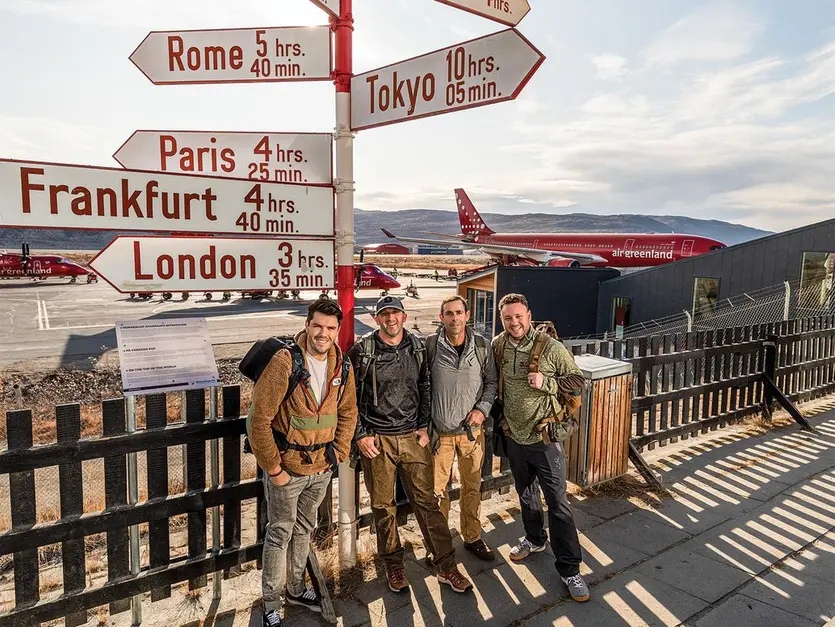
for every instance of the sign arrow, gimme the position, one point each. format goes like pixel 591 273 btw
pixel 482 71
pixel 236 55
pixel 331 6
pixel 509 12
pixel 205 264
pixel 61 196
pixel 274 157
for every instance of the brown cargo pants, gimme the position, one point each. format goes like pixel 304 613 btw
pixel 470 461
pixel 402 455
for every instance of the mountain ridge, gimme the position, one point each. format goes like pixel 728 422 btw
pixel 367 224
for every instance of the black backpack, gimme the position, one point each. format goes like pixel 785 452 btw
pixel 259 355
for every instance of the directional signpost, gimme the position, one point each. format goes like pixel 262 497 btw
pixel 235 55
pixel 275 157
pixel 509 12
pixel 168 264
pixel 34 194
pixel 482 71
pixel 331 6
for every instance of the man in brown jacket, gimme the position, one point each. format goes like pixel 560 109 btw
pixel 298 443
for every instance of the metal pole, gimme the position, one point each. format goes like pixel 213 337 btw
pixel 787 300
pixel 214 464
pixel 344 184
pixel 689 321
pixel 133 497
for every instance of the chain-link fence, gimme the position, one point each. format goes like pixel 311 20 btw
pixel 787 301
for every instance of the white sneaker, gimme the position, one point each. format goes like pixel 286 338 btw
pixel 523 549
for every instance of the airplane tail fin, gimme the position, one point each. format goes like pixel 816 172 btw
pixel 471 222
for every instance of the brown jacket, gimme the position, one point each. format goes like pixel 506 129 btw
pixel 299 419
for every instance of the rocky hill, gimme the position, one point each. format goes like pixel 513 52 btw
pixel 412 221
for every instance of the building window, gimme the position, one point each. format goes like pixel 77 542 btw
pixel 816 281
pixel 481 303
pixel 705 295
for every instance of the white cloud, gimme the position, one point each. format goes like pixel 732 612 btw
pixel 714 32
pixel 609 66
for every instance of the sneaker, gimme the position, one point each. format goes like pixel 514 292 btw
pixel 523 549
pixel 397 578
pixel 306 599
pixel 271 619
pixel 577 588
pixel 480 549
pixel 455 580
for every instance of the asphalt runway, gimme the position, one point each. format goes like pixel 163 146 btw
pixel 70 322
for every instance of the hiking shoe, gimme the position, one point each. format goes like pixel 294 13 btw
pixel 306 599
pixel 397 578
pixel 577 588
pixel 480 549
pixel 523 549
pixel 271 619
pixel 455 580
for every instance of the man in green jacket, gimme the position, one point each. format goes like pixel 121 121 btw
pixel 529 398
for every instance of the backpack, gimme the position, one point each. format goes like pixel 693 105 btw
pixel 481 348
pixel 367 356
pixel 563 426
pixel 259 355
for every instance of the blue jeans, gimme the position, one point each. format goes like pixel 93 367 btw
pixel 291 517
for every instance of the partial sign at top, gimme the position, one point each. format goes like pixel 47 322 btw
pixel 236 55
pixel 482 71
pixel 331 6
pixel 508 12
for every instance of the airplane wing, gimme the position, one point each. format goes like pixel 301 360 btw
pixel 537 254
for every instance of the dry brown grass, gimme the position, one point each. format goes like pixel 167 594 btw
pixel 627 487
pixel 344 583
pixel 427 262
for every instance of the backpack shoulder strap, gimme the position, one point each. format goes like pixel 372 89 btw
pixel 481 348
pixel 418 348
pixel 539 344
pixel 297 368
pixel 498 355
pixel 431 348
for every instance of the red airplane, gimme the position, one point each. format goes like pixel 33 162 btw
pixel 568 250
pixel 41 267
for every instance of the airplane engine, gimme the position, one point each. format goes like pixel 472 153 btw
pixel 563 262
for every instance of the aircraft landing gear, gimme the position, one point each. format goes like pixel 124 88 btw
pixel 73 279
pixel 92 278
pixel 166 296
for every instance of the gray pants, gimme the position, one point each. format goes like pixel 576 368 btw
pixel 291 517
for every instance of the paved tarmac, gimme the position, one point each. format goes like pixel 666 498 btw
pixel 747 539
pixel 76 321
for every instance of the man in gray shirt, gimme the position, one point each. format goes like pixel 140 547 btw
pixel 464 385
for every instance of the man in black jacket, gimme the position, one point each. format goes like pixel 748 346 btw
pixel 394 404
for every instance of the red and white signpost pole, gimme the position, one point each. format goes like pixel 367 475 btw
pixel 343 27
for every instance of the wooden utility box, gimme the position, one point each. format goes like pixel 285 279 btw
pixel 599 449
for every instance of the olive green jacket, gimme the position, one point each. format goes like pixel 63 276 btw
pixel 524 406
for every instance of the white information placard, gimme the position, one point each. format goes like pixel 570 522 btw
pixel 165 355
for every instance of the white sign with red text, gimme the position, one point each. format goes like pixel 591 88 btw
pixel 483 71
pixel 49 195
pixel 330 6
pixel 236 55
pixel 509 12
pixel 274 157
pixel 203 264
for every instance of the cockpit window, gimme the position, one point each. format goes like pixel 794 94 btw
pixel 718 247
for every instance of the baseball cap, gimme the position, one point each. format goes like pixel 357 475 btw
pixel 389 302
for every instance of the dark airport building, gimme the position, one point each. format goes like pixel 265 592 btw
pixel 589 301
pixel 804 257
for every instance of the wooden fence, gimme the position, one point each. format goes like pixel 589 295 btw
pixel 683 384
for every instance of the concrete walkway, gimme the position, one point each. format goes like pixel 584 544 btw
pixel 746 539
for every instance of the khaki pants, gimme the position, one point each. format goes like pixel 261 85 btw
pixel 402 455
pixel 470 461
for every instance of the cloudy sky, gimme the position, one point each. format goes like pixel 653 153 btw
pixel 708 109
